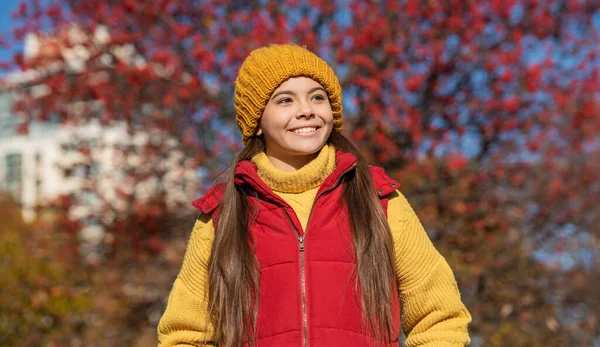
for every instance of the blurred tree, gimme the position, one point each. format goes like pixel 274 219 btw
pixel 44 296
pixel 487 112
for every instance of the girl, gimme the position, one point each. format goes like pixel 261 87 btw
pixel 303 243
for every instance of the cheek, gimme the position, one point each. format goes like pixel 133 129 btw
pixel 271 126
pixel 326 113
pixel 328 118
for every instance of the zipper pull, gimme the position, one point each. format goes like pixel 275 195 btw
pixel 301 240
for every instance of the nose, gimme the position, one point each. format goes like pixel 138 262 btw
pixel 305 110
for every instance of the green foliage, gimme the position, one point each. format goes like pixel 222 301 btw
pixel 42 295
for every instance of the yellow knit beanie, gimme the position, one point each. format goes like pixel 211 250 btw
pixel 266 68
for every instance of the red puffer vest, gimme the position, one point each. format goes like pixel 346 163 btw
pixel 307 293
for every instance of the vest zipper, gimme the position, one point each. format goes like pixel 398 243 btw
pixel 301 247
pixel 303 285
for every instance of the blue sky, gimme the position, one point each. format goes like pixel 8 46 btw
pixel 7 7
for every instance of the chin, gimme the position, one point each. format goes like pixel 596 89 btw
pixel 307 149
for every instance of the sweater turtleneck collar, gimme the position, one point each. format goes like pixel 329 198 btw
pixel 308 177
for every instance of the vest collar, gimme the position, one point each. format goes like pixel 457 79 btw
pixel 245 173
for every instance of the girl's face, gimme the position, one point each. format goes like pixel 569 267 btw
pixel 296 122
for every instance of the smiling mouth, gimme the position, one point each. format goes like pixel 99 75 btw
pixel 306 130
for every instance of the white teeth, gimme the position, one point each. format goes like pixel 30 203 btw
pixel 305 130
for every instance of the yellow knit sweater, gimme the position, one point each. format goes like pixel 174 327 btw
pixel 432 311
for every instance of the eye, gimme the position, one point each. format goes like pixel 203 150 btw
pixel 319 97
pixel 284 101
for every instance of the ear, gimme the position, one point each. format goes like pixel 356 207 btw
pixel 259 132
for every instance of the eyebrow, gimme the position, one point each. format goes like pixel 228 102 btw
pixel 288 92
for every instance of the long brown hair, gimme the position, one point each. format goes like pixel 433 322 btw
pixel 233 277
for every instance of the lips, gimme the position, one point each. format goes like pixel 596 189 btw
pixel 305 129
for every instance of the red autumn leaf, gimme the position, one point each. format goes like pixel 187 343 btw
pixel 362 60
pixel 512 103
pixel 415 82
pixel 22 129
pixel 456 162
pixel 507 75
pixel 182 30
pixel 412 8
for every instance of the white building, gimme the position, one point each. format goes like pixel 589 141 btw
pixel 26 169
pixel 46 163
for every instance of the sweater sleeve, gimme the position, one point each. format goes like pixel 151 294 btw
pixel 432 311
pixel 185 321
